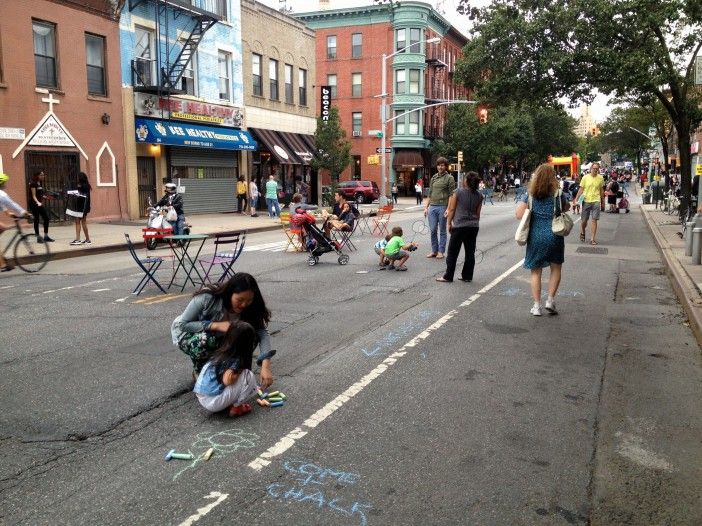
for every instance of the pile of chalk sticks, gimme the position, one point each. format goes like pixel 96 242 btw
pixel 272 399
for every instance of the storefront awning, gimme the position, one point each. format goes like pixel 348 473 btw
pixel 274 143
pixel 299 147
pixel 407 159
pixel 175 133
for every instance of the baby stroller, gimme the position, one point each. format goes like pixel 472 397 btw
pixel 317 244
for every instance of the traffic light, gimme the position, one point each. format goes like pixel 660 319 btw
pixel 483 115
pixel 460 157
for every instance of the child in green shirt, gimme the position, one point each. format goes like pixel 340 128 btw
pixel 396 249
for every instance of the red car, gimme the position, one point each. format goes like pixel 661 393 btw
pixel 359 191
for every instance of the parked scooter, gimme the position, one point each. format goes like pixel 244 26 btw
pixel 157 220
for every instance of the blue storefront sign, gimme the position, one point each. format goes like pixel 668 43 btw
pixel 175 133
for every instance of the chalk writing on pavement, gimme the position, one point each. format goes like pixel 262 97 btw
pixel 223 442
pixel 319 487
pixel 393 337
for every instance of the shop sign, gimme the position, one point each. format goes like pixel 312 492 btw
pixel 146 105
pixel 325 99
pixel 151 131
pixel 12 133
pixel 698 169
pixel 51 133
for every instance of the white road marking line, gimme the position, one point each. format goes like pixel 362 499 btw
pixel 201 512
pixel 265 246
pixel 7 287
pixel 122 299
pixel 99 290
pixel 316 418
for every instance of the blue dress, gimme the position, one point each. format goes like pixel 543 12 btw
pixel 543 246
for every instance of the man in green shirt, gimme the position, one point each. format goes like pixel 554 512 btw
pixel 592 190
pixel 441 187
pixel 272 197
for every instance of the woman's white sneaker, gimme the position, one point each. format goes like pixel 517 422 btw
pixel 550 306
pixel 536 310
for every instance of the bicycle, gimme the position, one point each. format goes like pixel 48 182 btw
pixel 29 255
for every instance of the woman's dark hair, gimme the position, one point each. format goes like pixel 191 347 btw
pixel 35 176
pixel 236 349
pixel 472 181
pixel 257 314
pixel 83 179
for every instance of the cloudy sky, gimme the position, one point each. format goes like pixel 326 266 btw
pixel 600 109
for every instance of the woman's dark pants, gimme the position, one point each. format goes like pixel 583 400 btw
pixel 465 236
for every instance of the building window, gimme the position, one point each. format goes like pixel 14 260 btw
pixel 414 123
pixel 414 80
pixel 256 72
pixel 273 78
pixel 331 82
pixel 302 86
pixel 415 37
pixel 356 124
pixel 45 54
pixel 225 61
pixel 188 82
pixel 95 64
pixel 288 84
pixel 143 57
pixel 331 46
pixel 400 39
pixel 399 122
pixel 356 45
pixel 400 85
pixel 355 84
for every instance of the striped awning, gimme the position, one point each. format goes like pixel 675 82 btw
pixel 275 144
pixel 299 146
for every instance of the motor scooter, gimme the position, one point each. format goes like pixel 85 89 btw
pixel 157 220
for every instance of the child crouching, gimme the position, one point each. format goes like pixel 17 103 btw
pixel 380 250
pixel 396 249
pixel 226 380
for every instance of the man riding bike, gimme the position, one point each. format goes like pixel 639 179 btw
pixel 7 204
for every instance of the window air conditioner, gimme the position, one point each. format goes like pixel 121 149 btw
pixel 356 133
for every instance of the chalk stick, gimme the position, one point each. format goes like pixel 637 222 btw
pixel 182 456
pixel 264 395
pixel 274 393
pixel 260 393
pixel 261 402
pixel 208 454
pixel 282 395
pixel 266 403
pixel 274 399
pixel 277 404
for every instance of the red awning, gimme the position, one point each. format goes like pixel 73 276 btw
pixel 407 159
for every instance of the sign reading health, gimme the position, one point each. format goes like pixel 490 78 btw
pixel 173 133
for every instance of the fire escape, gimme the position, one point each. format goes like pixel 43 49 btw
pixel 435 92
pixel 173 55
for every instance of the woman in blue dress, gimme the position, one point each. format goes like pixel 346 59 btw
pixel 543 248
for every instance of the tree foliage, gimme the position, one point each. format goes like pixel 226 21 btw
pixel 333 147
pixel 542 50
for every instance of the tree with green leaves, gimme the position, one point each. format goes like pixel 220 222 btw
pixel 333 148
pixel 529 50
pixel 624 132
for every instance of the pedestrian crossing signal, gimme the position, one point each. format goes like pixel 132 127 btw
pixel 483 115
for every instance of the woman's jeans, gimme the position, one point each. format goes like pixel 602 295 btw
pixel 465 236
pixel 273 203
pixel 437 220
pixel 253 203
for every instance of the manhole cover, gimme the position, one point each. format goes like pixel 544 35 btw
pixel 592 250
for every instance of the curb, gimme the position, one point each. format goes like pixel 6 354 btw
pixel 684 288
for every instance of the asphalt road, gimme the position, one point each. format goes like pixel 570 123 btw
pixel 410 401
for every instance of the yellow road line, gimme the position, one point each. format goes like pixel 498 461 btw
pixel 162 299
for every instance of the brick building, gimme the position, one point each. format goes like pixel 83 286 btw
pixel 279 70
pixel 184 102
pixel 60 100
pixel 350 45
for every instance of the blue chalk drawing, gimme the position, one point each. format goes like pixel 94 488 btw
pixel 223 442
pixel 314 484
pixel 395 336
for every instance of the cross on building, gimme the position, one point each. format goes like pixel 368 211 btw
pixel 51 101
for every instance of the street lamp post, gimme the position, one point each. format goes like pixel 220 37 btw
pixel 384 118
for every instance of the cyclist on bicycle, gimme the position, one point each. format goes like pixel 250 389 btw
pixel 7 204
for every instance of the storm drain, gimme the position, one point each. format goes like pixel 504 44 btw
pixel 592 250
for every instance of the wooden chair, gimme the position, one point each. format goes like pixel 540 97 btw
pixel 381 221
pixel 228 247
pixel 148 265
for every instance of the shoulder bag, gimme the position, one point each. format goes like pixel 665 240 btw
pixel 562 223
pixel 522 234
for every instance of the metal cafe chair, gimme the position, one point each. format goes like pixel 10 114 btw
pixel 148 265
pixel 228 247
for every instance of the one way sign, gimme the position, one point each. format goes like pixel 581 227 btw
pixel 380 150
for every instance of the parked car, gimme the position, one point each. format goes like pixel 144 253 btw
pixel 359 191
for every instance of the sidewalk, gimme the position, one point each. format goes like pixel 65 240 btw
pixel 109 237
pixel 685 277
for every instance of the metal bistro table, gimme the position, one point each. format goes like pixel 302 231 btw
pixel 364 221
pixel 180 245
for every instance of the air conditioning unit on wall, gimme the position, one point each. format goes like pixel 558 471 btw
pixel 356 133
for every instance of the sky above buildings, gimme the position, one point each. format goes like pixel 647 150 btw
pixel 600 109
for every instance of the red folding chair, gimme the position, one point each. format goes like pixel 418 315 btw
pixel 381 221
pixel 228 247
